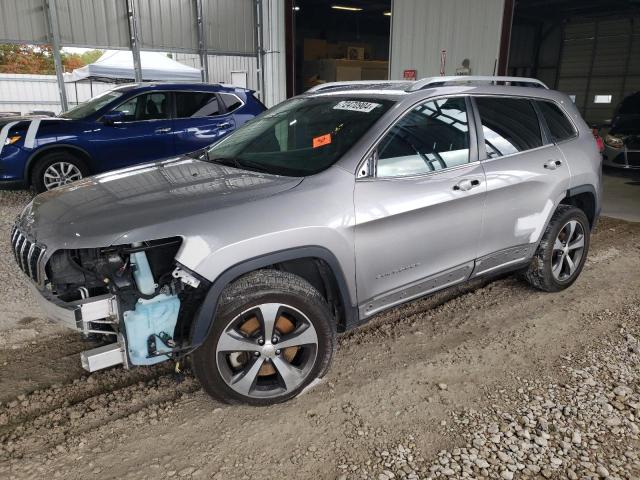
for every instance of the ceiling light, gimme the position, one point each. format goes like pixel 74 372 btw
pixel 387 14
pixel 296 8
pixel 349 9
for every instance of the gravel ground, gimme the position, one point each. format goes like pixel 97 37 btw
pixel 495 380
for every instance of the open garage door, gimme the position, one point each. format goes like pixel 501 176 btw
pixel 589 50
pixel 600 64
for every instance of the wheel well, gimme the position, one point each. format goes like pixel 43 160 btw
pixel 315 264
pixel 585 201
pixel 33 161
pixel 318 273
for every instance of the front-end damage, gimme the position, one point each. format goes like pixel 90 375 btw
pixel 136 295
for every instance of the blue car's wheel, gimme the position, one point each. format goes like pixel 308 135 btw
pixel 56 169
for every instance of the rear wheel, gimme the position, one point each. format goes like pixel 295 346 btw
pixel 273 335
pixel 562 251
pixel 56 169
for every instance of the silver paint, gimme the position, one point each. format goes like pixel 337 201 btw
pixel 371 225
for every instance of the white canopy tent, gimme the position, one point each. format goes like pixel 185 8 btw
pixel 116 65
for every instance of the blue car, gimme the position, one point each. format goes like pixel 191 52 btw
pixel 127 125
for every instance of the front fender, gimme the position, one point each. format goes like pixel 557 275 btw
pixel 206 314
pixel 51 147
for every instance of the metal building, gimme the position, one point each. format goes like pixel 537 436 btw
pixel 207 28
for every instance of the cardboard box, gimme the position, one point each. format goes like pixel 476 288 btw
pixel 315 49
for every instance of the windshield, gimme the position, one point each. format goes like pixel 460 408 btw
pixel 301 136
pixel 91 106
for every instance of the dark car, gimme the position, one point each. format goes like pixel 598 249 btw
pixel 622 140
pixel 124 126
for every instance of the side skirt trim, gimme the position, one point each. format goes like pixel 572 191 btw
pixel 418 289
pixel 503 258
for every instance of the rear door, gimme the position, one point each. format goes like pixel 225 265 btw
pixel 201 119
pixel 144 134
pixel 526 176
pixel 418 215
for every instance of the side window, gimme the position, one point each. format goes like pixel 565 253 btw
pixel 510 125
pixel 230 101
pixel 559 125
pixel 196 104
pixel 148 106
pixel 432 136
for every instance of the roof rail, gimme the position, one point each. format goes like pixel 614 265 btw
pixel 326 86
pixel 440 81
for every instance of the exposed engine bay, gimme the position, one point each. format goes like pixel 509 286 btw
pixel 156 297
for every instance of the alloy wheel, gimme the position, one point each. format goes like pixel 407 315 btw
pixel 267 350
pixel 568 249
pixel 61 173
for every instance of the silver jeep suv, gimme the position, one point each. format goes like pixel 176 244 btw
pixel 249 256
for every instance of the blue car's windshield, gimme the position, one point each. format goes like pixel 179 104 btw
pixel 92 106
pixel 301 136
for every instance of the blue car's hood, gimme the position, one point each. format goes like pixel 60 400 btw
pixel 149 198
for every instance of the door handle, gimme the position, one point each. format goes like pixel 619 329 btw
pixel 225 125
pixel 553 164
pixel 163 130
pixel 465 185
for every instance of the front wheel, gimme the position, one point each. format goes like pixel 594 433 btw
pixel 562 251
pixel 272 336
pixel 56 169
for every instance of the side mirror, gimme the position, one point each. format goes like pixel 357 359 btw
pixel 113 118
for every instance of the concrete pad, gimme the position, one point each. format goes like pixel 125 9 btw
pixel 621 195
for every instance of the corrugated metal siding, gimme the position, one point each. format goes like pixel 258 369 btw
pixel 167 25
pixel 275 62
pixel 25 93
pixel 229 26
pixel 93 23
pixel 465 28
pixel 164 24
pixel 600 58
pixel 221 66
pixel 23 21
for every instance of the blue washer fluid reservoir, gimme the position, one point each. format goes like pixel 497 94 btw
pixel 142 272
pixel 150 317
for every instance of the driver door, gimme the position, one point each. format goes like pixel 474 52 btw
pixel 419 212
pixel 144 134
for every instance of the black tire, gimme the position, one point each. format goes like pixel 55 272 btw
pixel 259 288
pixel 47 160
pixel 539 273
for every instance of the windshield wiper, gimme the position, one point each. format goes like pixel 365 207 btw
pixel 232 161
pixel 239 163
pixel 202 154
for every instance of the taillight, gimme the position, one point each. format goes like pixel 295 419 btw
pixel 599 141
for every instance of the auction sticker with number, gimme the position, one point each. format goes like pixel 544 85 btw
pixel 356 106
pixel 322 140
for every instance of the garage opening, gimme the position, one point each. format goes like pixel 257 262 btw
pixel 337 41
pixel 588 49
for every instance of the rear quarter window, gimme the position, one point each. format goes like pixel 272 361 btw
pixel 231 102
pixel 560 127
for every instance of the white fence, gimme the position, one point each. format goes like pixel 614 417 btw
pixel 21 93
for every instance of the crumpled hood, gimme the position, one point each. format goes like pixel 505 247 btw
pixel 154 198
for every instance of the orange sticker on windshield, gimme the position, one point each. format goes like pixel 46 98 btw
pixel 322 140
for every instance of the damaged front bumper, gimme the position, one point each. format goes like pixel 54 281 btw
pixel 84 316
pixel 79 315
